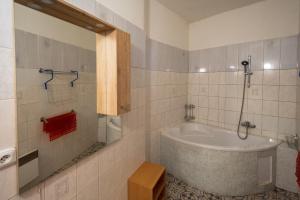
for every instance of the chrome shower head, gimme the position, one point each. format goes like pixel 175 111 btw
pixel 245 63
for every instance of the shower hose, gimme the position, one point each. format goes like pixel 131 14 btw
pixel 242 110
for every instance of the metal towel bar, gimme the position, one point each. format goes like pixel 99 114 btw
pixel 53 72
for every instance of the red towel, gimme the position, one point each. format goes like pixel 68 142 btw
pixel 298 169
pixel 60 125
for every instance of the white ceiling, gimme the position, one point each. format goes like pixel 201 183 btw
pixel 194 10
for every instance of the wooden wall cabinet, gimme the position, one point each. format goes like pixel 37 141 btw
pixel 113 72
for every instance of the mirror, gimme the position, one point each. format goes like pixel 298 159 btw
pixel 58 124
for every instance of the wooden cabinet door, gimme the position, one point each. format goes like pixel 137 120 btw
pixel 113 73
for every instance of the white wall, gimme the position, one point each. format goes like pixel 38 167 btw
pixel 132 10
pixel 263 20
pixel 35 22
pixel 166 26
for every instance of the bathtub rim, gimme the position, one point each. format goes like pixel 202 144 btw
pixel 166 133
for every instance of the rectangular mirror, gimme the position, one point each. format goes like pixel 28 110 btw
pixel 56 96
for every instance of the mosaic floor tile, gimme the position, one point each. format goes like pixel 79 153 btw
pixel 179 190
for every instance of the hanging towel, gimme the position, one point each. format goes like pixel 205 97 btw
pixel 298 169
pixel 60 125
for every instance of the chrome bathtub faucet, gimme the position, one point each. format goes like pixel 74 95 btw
pixel 248 124
pixel 189 112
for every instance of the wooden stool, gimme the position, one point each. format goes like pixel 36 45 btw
pixel 147 183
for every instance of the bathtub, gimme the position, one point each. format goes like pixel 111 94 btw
pixel 217 161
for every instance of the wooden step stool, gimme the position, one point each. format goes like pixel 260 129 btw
pixel 147 183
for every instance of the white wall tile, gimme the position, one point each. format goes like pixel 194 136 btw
pixel 8 73
pixel 6 23
pixel 8 182
pixel 8 123
pixel 288 77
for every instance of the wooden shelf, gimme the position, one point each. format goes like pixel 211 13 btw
pixel 147 183
pixel 69 13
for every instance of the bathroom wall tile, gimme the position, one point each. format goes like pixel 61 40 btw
pixel 213 102
pixel 287 109
pixel 270 108
pixel 213 78
pixel 194 61
pixel 193 100
pixel 253 49
pixel 89 192
pixel 104 13
pixel 203 78
pixel 6 24
pixel 287 93
pixel 203 101
pixel 286 127
pixel 26 49
pixel 270 123
pixel 204 60
pixel 7 71
pixel 217 59
pixel 155 55
pixel 257 78
pixel 231 117
pixel 254 106
pixel 86 60
pixel 61 186
pixel 271 77
pixel 255 92
pixel 50 53
pixel 70 57
pixel 203 90
pixel 234 104
pixel 8 123
pixel 87 172
pixel 87 178
pixel 256 52
pixel 202 113
pixel 120 22
pixel 87 5
pixel 138 46
pixel 213 90
pixel 289 53
pixel 288 77
pixel 232 58
pixel 271 93
pixel 271 54
pixel 193 78
pixel 8 182
pixel 194 90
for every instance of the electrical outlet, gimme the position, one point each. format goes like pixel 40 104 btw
pixel 7 157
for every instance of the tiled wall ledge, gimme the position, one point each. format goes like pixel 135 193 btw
pixel 279 53
pixel 163 57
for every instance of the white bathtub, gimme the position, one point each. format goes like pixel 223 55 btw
pixel 217 161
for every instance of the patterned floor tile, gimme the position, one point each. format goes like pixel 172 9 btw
pixel 179 190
